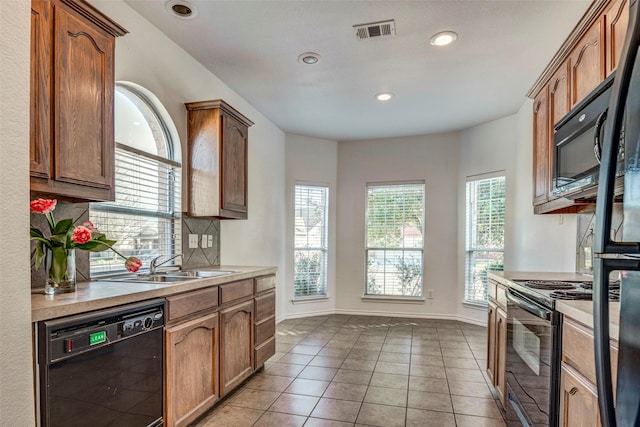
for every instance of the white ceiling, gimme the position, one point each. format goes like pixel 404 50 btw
pixel 253 47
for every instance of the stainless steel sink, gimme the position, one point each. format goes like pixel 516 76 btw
pixel 169 276
pixel 198 273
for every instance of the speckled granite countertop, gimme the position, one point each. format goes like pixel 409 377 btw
pixel 580 311
pixel 96 295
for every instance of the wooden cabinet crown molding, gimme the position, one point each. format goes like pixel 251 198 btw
pixel 95 17
pixel 590 16
pixel 219 103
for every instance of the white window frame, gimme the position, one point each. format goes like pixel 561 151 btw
pixel 170 173
pixel 418 280
pixel 322 250
pixel 471 278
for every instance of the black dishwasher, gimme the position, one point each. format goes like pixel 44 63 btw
pixel 103 368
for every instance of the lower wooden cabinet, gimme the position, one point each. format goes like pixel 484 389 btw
pixel 236 345
pixel 192 369
pixel 578 400
pixel 497 340
pixel 499 379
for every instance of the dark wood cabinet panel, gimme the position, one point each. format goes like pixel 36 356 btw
pixel 586 62
pixel 491 340
pixel 500 380
pixel 616 20
pixel 236 345
pixel 218 137
pixel 72 81
pixel 192 369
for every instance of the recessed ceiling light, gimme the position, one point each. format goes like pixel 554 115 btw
pixel 384 96
pixel 443 38
pixel 181 9
pixel 309 58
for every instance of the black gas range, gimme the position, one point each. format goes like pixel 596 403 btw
pixel 546 292
pixel 534 331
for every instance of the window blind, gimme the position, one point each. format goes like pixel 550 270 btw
pixel 485 219
pixel 310 241
pixel 145 218
pixel 394 239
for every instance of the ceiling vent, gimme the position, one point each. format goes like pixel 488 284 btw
pixel 375 29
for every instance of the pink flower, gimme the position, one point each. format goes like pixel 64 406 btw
pixel 133 264
pixel 92 228
pixel 81 235
pixel 43 206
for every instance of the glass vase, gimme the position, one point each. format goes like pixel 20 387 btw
pixel 60 270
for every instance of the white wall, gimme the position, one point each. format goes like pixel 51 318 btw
pixel 432 158
pixel 16 379
pixel 311 160
pixel 147 57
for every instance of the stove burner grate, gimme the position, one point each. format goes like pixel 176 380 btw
pixel 551 285
pixel 571 294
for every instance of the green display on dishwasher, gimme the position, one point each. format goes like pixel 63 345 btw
pixel 98 338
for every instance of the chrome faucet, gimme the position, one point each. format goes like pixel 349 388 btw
pixel 153 265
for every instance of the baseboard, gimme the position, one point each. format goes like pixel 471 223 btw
pixel 433 316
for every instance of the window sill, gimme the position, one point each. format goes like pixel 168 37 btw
pixel 475 305
pixel 396 299
pixel 308 300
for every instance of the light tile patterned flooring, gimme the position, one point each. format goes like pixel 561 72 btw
pixel 342 370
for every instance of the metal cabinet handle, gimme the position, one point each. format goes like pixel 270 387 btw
pixel 573 391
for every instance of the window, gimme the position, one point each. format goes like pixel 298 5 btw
pixel 484 234
pixel 145 218
pixel 310 245
pixel 394 246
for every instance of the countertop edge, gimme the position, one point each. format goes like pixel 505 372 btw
pixel 111 294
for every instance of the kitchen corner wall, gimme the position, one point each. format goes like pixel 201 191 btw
pixel 585 237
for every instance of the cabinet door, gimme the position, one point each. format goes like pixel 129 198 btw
pixel 616 20
pixel 84 86
pixel 491 340
pixel 234 168
pixel 587 63
pixel 501 354
pixel 541 173
pixel 191 369
pixel 578 400
pixel 236 345
pixel 40 120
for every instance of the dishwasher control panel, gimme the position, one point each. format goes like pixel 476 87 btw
pixel 78 334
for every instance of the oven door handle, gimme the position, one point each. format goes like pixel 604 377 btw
pixel 527 305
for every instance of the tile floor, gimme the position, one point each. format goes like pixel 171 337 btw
pixel 341 370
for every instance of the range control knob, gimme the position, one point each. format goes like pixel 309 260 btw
pixel 148 322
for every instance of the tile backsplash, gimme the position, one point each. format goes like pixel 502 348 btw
pixel 585 237
pixel 79 212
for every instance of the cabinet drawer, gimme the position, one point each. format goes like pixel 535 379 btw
pixel 264 351
pixel 265 330
pixel 265 306
pixel 236 290
pixel 578 351
pixel 191 302
pixel 265 283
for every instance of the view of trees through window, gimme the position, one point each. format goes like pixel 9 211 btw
pixel 310 245
pixel 394 246
pixel 484 234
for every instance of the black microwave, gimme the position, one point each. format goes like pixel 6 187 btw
pixel 577 140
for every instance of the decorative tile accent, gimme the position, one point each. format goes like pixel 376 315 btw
pixel 200 257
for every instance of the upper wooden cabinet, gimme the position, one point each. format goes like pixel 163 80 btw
pixel 217 138
pixel 616 20
pixel 541 147
pixel 590 53
pixel 72 86
pixel 586 62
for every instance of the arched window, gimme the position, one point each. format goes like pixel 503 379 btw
pixel 145 218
